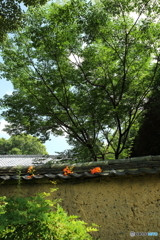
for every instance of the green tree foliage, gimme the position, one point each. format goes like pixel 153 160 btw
pixel 84 69
pixel 22 145
pixel 147 140
pixel 11 14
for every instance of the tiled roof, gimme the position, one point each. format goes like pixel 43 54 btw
pixel 50 170
pixel 25 160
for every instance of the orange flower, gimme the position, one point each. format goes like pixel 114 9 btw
pixel 67 170
pixel 95 170
pixel 31 170
pixel 29 176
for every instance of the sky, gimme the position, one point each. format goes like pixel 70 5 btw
pixel 56 144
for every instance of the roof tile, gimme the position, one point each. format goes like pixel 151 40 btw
pixel 11 164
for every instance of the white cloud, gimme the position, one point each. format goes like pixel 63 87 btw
pixel 75 60
pixel 2 133
pixel 9 92
pixel 135 16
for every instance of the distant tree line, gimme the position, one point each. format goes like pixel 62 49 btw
pixel 22 145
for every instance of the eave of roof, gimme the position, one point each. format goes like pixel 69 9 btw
pixel 121 167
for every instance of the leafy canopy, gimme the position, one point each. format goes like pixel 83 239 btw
pixel 11 14
pixel 22 145
pixel 147 141
pixel 84 69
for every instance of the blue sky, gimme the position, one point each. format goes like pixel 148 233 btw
pixel 57 144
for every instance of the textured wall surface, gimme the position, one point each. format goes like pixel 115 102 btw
pixel 118 204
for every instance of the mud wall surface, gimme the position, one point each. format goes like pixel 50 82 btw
pixel 118 204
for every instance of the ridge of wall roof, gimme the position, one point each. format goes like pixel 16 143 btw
pixel 50 170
